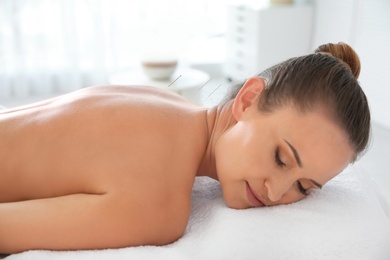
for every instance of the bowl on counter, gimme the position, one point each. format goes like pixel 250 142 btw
pixel 159 70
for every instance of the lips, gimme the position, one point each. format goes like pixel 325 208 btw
pixel 253 200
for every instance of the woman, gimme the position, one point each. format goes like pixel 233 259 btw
pixel 113 166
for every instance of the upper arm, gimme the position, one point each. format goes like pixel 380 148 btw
pixel 80 221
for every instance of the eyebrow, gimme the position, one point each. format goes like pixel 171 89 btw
pixel 316 183
pixel 296 155
pixel 299 162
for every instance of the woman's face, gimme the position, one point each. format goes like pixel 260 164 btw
pixel 276 158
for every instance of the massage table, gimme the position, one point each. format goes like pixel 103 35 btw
pixel 347 219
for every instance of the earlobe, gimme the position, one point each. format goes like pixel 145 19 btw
pixel 247 95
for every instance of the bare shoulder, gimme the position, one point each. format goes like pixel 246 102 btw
pixel 123 118
pixel 125 155
pixel 139 92
pixel 104 95
pixel 133 108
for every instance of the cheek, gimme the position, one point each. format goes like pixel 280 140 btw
pixel 293 195
pixel 237 154
pixel 227 157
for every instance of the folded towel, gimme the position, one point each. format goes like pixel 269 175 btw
pixel 345 220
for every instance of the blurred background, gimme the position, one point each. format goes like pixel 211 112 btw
pixel 51 47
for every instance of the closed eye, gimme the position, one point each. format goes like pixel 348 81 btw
pixel 278 161
pixel 281 164
pixel 301 189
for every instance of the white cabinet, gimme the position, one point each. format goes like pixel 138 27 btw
pixel 259 37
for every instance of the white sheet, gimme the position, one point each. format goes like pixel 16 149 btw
pixel 343 221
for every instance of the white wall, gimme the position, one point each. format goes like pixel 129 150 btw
pixel 365 25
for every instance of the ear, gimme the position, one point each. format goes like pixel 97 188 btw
pixel 247 95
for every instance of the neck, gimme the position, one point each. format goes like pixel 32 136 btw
pixel 218 119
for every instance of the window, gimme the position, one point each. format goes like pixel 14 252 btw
pixel 62 45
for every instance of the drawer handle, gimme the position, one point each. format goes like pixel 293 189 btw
pixel 240 39
pixel 240 54
pixel 240 18
pixel 240 29
pixel 239 66
pixel 241 8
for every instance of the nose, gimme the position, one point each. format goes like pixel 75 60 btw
pixel 277 187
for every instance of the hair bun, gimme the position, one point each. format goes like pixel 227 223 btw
pixel 343 52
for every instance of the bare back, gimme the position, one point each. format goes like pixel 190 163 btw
pixel 137 147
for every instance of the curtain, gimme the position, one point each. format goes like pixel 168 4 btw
pixel 51 46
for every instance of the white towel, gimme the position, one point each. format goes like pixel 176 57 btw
pixel 345 220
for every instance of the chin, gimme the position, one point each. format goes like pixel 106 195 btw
pixel 235 204
pixel 232 197
pixel 238 207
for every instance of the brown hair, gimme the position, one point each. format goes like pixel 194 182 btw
pixel 327 77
